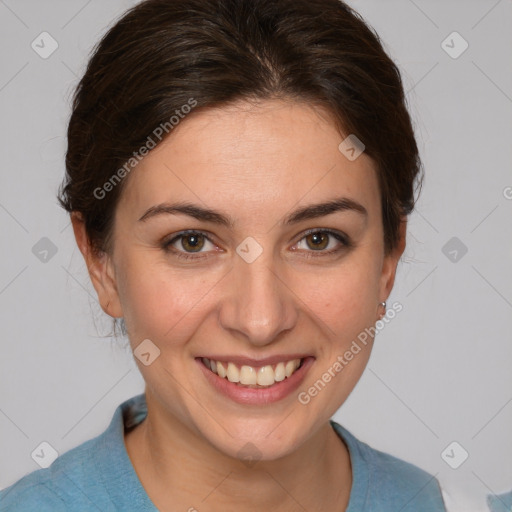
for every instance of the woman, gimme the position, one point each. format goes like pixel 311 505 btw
pixel 239 175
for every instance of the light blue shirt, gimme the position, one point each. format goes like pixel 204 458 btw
pixel 98 476
pixel 500 502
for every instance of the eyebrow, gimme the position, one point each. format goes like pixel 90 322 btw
pixel 313 211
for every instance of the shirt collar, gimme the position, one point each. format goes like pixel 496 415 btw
pixel 114 465
pixel 126 490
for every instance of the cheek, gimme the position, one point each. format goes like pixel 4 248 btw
pixel 345 299
pixel 345 306
pixel 159 303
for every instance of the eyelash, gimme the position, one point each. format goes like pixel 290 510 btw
pixel 345 241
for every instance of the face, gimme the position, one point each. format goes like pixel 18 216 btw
pixel 250 275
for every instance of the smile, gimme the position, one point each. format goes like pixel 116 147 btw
pixel 253 376
pixel 250 382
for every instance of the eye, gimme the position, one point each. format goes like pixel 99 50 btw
pixel 186 243
pixel 189 244
pixel 319 240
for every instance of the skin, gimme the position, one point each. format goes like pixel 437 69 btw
pixel 256 163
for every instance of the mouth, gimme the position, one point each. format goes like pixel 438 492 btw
pixel 255 382
pixel 255 377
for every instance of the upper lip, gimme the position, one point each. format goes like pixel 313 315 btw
pixel 249 361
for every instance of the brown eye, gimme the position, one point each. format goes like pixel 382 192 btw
pixel 323 242
pixel 193 242
pixel 189 244
pixel 319 240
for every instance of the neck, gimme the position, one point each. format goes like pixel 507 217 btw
pixel 179 468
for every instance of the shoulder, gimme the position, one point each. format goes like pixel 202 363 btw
pixel 54 488
pixel 28 494
pixel 383 482
pixel 500 502
pixel 96 475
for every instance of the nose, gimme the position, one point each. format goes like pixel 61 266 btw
pixel 260 306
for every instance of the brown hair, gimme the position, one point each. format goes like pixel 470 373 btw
pixel 163 53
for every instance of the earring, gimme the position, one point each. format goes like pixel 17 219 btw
pixel 383 304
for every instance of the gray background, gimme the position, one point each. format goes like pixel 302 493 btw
pixel 440 371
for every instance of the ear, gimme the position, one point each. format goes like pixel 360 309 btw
pixel 100 267
pixel 390 263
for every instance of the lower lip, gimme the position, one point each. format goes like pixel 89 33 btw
pixel 257 396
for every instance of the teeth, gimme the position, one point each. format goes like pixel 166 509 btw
pixel 279 374
pixel 233 373
pixel 266 376
pixel 289 368
pixel 248 375
pixel 253 377
pixel 221 370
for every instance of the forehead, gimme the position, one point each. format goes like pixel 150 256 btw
pixel 249 158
